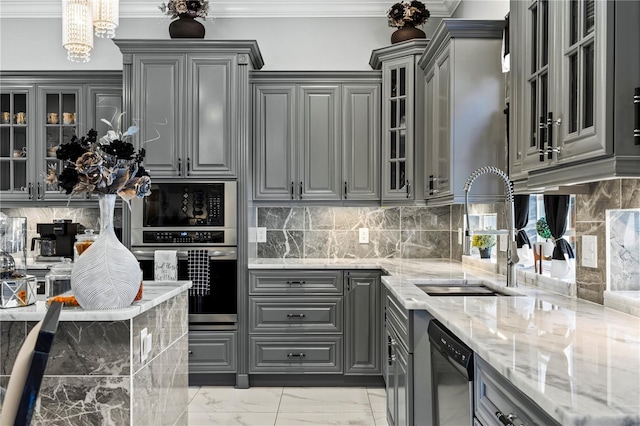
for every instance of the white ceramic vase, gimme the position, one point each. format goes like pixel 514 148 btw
pixel 107 275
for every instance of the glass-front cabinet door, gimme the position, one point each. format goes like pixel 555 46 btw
pixel 61 119
pixel 397 157
pixel 16 109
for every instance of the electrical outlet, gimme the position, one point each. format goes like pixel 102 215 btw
pixel 363 236
pixel 504 242
pixel 261 235
pixel 589 255
pixel 143 345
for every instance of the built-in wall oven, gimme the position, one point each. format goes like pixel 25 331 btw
pixel 190 215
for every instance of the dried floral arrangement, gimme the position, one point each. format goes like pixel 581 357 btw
pixel 110 165
pixel 175 8
pixel 408 13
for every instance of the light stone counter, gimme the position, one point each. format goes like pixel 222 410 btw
pixel 579 361
pixel 96 374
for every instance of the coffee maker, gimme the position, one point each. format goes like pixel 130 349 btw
pixel 56 239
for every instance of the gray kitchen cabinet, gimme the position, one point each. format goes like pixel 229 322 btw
pixel 316 136
pixel 190 102
pixel 56 106
pixel 572 91
pixel 399 381
pixel 464 125
pixel 401 104
pixel 497 400
pixel 212 351
pixel 362 309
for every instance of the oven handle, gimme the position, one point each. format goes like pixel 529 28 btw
pixel 148 254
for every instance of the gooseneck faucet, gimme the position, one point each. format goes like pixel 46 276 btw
pixel 512 252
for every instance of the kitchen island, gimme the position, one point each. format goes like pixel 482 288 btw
pixel 576 360
pixel 95 375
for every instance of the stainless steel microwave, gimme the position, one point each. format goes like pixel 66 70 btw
pixel 186 214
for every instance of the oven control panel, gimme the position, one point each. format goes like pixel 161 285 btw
pixel 182 237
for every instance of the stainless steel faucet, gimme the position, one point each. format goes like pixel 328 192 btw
pixel 512 251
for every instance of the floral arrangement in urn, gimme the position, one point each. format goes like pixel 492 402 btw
pixel 110 165
pixel 408 13
pixel 175 8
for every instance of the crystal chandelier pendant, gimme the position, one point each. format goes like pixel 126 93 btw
pixel 105 17
pixel 77 30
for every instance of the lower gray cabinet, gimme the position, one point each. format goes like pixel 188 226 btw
pixel 362 322
pixel 212 351
pixel 296 354
pixel 495 398
pixel 399 380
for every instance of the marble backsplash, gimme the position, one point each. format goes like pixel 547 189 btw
pixel 87 217
pixel 623 250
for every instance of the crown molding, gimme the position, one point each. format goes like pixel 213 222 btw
pixel 234 9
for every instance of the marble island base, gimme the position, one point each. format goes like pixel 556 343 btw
pixel 95 375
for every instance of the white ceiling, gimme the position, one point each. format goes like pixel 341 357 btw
pixel 235 8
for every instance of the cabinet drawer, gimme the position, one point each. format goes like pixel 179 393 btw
pixel 295 315
pixel 295 282
pixel 296 354
pixel 398 317
pixel 494 393
pixel 212 351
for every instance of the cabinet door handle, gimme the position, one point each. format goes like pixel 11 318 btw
pixel 30 191
pixel 392 358
pixel 345 190
pixel 408 186
pixel 430 185
pixel 190 352
pixel 296 282
pixel 301 190
pixel 188 166
pixel 543 126
pixel 296 315
pixel 292 355
pixel 180 165
pixel 39 191
pixel 505 420
pixel 550 135
pixel 636 106
pixel 292 196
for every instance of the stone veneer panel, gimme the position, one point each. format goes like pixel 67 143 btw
pixel 12 334
pixel 426 244
pixel 160 387
pixel 624 249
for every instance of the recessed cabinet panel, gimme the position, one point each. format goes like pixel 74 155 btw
pixel 159 109
pixel 320 135
pixel 210 114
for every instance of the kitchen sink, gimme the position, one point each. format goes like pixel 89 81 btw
pixel 460 290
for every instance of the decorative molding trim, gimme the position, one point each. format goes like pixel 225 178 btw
pixel 233 9
pixel 398 50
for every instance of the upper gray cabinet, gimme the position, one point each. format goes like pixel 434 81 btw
pixel 40 111
pixel 190 99
pixel 316 136
pixel 573 81
pixel 464 124
pixel 401 103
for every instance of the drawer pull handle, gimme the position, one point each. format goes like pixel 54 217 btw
pixel 505 420
pixel 292 355
pixel 190 352
pixel 296 315
pixel 295 282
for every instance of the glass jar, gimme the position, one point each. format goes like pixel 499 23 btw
pixel 83 241
pixel 58 279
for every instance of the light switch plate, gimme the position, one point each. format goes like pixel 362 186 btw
pixel 589 255
pixel 363 236
pixel 261 234
pixel 143 345
pixel 460 236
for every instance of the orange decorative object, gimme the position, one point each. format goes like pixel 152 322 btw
pixel 22 296
pixel 139 295
pixel 66 300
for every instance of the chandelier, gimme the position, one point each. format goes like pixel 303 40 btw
pixel 77 26
pixel 78 19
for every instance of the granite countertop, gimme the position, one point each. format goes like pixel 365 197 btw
pixel 579 361
pixel 154 293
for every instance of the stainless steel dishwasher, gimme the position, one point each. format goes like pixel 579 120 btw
pixel 451 377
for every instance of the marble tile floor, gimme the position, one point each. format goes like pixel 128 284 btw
pixel 280 406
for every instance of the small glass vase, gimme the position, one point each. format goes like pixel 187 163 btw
pixel 107 275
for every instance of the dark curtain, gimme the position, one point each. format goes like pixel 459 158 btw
pixel 521 207
pixel 555 209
